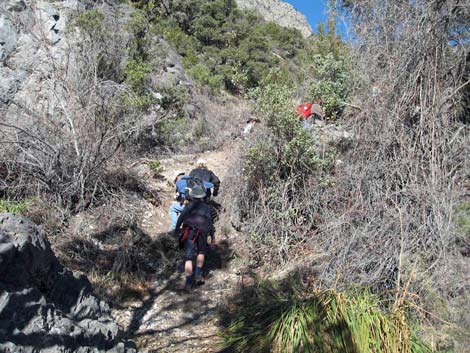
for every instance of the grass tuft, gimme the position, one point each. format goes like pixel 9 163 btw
pixel 17 207
pixel 271 319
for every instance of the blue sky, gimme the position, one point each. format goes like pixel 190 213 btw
pixel 315 10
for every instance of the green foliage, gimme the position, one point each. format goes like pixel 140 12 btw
pixel 237 48
pixel 13 206
pixel 139 27
pixel 136 73
pixel 327 64
pixel 156 166
pixel 203 74
pixel 333 83
pixel 173 132
pixel 463 220
pixel 97 35
pixel 136 102
pixel 289 153
pixel 328 42
pixel 91 21
pixel 282 320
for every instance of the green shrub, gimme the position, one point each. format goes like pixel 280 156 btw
pixel 134 102
pixel 173 132
pixel 463 220
pixel 136 73
pixel 91 21
pixel 291 152
pixel 224 46
pixel 332 85
pixel 203 74
pixel 156 167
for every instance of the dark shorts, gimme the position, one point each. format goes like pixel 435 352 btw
pixel 195 244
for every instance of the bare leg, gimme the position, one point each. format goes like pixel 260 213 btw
pixel 188 267
pixel 198 273
pixel 199 260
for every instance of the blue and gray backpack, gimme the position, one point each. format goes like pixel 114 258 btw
pixel 186 183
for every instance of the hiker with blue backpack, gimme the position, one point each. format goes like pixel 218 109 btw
pixel 197 225
pixel 184 183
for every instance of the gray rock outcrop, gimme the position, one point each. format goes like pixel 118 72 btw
pixel 279 12
pixel 43 306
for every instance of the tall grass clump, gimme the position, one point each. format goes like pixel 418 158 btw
pixel 271 319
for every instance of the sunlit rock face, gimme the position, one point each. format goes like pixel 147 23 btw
pixel 279 12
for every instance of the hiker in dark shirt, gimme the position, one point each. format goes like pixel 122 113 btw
pixel 196 220
pixel 201 172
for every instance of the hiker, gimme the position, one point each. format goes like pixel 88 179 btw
pixel 184 183
pixel 180 201
pixel 307 110
pixel 197 224
pixel 250 124
pixel 207 176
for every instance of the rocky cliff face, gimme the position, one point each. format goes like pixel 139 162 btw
pixel 42 53
pixel 279 12
pixel 32 48
pixel 43 306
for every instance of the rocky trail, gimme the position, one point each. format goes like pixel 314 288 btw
pixel 167 319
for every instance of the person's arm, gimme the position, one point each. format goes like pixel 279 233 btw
pixel 212 234
pixel 210 215
pixel 182 216
pixel 214 180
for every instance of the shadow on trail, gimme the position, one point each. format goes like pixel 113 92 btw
pixel 148 270
pixel 170 279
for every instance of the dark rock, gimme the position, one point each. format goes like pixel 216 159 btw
pixel 43 306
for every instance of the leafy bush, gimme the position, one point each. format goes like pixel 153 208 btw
pixel 332 85
pixel 136 73
pixel 173 132
pixel 91 21
pixel 203 74
pixel 291 152
pixel 277 170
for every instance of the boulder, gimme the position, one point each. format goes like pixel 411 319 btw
pixel 43 306
pixel 8 38
pixel 10 83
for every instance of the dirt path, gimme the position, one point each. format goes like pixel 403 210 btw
pixel 168 320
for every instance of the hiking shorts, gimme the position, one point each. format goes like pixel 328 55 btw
pixel 194 247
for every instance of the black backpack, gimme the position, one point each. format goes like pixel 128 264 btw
pixel 192 183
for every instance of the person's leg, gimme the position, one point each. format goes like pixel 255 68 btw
pixel 175 211
pixel 202 251
pixel 188 271
pixel 198 272
pixel 188 265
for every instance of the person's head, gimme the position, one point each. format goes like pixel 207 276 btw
pixel 318 110
pixel 252 120
pixel 179 176
pixel 197 193
pixel 201 163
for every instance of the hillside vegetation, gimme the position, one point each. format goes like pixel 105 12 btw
pixel 357 243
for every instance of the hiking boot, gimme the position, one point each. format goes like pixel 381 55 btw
pixel 186 287
pixel 199 280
